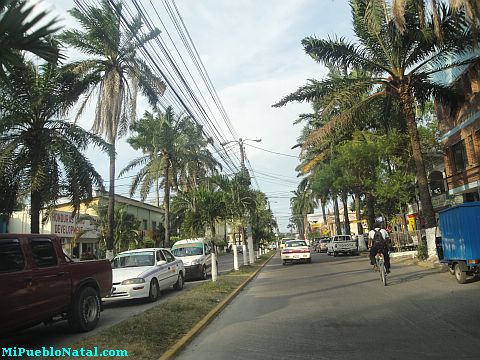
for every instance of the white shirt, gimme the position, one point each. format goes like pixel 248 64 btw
pixel 384 233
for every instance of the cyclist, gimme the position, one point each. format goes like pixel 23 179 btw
pixel 378 239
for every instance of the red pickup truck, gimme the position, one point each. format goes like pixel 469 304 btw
pixel 39 283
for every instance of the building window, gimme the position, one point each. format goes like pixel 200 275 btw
pixel 459 156
pixel 154 225
pixel 145 225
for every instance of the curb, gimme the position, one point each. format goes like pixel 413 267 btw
pixel 188 337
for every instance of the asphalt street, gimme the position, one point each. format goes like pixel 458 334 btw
pixel 337 308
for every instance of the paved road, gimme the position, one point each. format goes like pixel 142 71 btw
pixel 60 334
pixel 336 308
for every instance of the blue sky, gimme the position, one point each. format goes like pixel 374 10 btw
pixel 252 52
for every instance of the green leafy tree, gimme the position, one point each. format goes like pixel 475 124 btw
pixel 121 73
pixel 45 151
pixel 398 67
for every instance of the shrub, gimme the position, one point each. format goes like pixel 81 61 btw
pixel 422 250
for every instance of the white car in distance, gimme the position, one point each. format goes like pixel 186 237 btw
pixel 295 250
pixel 143 273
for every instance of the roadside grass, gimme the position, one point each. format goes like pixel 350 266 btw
pixel 149 334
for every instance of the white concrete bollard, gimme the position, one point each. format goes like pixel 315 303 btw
pixel 245 255
pixel 214 267
pixel 235 257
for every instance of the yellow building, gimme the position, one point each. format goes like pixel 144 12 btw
pixel 61 223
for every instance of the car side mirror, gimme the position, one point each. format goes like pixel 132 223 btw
pixel 161 262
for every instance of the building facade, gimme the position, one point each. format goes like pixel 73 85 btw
pixel 460 126
pixel 79 235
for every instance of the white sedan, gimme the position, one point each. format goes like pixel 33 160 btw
pixel 143 273
pixel 295 250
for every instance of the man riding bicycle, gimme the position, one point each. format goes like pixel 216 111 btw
pixel 378 239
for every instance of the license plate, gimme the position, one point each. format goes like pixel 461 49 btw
pixel 296 257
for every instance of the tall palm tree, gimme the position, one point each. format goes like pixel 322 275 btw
pixel 402 65
pixel 113 56
pixel 46 151
pixel 166 141
pixel 19 31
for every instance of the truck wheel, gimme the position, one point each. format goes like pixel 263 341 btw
pixel 460 275
pixel 204 274
pixel 154 291
pixel 179 284
pixel 335 254
pixel 451 269
pixel 85 310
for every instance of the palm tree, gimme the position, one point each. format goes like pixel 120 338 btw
pixel 19 31
pixel 402 65
pixel 46 151
pixel 113 57
pixel 169 143
pixel 302 203
pixel 201 209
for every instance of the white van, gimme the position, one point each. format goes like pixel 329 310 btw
pixel 196 255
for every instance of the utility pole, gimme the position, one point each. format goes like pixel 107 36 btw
pixel 251 250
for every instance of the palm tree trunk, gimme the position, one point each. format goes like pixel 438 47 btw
pixel 157 193
pixel 111 205
pixel 346 218
pixel 337 215
pixel 324 213
pixel 426 201
pixel 358 214
pixel 166 201
pixel 371 211
pixel 35 205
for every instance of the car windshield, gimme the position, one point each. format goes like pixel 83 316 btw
pixel 295 243
pixel 134 260
pixel 187 251
pixel 325 240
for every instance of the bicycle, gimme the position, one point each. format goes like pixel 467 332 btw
pixel 380 266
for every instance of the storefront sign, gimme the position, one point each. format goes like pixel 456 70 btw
pixel 64 225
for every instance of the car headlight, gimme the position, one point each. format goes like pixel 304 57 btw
pixel 133 281
pixel 196 262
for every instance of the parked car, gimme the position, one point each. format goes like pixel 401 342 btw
pixel 143 273
pixel 196 255
pixel 39 283
pixel 295 250
pixel 323 244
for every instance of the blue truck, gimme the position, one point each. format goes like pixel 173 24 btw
pixel 459 243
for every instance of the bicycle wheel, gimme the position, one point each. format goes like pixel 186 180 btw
pixel 383 275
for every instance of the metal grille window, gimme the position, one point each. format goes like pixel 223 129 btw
pixel 459 156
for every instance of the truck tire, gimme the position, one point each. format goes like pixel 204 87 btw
pixel 335 254
pixel 179 284
pixel 451 269
pixel 85 310
pixel 154 292
pixel 204 274
pixel 460 275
